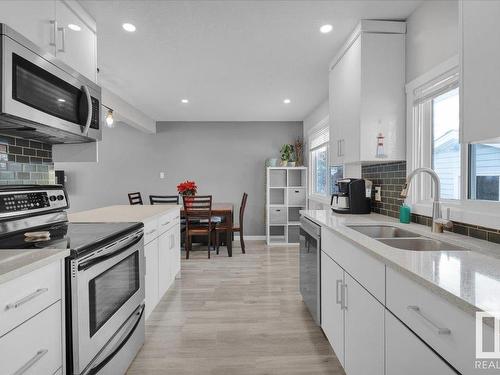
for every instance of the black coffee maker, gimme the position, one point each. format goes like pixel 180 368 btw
pixel 351 197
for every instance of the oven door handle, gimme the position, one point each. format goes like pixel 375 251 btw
pixel 92 262
pixel 137 319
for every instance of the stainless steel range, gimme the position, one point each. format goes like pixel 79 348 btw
pixel 104 275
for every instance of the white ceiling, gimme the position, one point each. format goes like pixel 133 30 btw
pixel 233 60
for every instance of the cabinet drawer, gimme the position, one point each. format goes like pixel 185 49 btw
pixel 367 270
pixel 29 294
pixel 406 354
pixel 277 215
pixel 296 197
pixel 425 313
pixel 168 220
pixel 34 346
pixel 150 230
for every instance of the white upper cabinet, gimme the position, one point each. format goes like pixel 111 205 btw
pixel 480 59
pixel 33 19
pixel 366 93
pixel 46 23
pixel 76 38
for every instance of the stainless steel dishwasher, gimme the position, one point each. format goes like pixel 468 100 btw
pixel 310 266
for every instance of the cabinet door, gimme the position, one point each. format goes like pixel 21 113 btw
pixel 480 62
pixel 32 19
pixel 164 275
pixel 407 354
pixel 77 48
pixel 332 315
pixel 175 251
pixel 151 277
pixel 364 331
pixel 345 105
pixel 334 126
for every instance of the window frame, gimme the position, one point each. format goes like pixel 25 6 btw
pixel 318 128
pixel 419 154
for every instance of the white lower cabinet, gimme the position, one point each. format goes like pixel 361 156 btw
pixel 162 250
pixel 407 354
pixel 35 347
pixel 151 277
pixel 164 277
pixel 332 314
pixel 175 252
pixel 364 330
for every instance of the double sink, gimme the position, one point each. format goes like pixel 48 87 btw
pixel 404 239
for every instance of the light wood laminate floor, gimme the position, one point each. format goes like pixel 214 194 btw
pixel 236 316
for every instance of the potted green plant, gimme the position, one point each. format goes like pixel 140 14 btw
pixel 286 154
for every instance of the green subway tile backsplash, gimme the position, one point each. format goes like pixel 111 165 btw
pixel 391 178
pixel 24 161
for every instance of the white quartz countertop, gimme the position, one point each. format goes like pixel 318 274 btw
pixel 15 263
pixel 122 213
pixel 467 279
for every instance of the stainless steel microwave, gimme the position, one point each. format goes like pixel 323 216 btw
pixel 42 98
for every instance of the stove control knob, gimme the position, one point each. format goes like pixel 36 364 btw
pixel 60 197
pixel 53 198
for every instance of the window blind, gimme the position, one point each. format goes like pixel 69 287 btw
pixel 436 87
pixel 319 138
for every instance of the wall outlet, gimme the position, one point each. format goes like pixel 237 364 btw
pixel 162 175
pixel 378 193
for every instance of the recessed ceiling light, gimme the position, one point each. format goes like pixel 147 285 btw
pixel 325 29
pixel 128 27
pixel 74 27
pixel 287 101
pixel 60 100
pixel 185 101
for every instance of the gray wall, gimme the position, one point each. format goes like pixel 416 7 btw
pixel 431 37
pixel 225 159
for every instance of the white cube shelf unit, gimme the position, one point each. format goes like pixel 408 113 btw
pixel 286 195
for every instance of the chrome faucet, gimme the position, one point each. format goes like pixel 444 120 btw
pixel 438 223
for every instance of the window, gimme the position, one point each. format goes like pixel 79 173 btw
pixel 436 133
pixel 318 161
pixel 484 171
pixel 445 142
pixel 469 173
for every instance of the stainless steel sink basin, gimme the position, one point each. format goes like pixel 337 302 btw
pixel 420 244
pixel 382 231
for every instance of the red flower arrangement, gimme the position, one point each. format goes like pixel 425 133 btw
pixel 187 188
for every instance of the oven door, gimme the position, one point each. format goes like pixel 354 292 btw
pixel 107 288
pixel 36 91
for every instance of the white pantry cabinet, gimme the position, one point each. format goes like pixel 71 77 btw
pixel 407 354
pixel 332 313
pixel 46 23
pixel 366 94
pixel 479 60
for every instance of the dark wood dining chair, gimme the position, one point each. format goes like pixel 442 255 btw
pixel 135 198
pixel 221 228
pixel 164 199
pixel 197 208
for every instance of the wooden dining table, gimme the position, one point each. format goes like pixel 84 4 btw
pixel 226 211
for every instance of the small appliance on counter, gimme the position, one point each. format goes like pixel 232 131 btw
pixel 351 197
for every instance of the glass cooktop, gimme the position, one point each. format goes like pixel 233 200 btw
pixel 78 237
